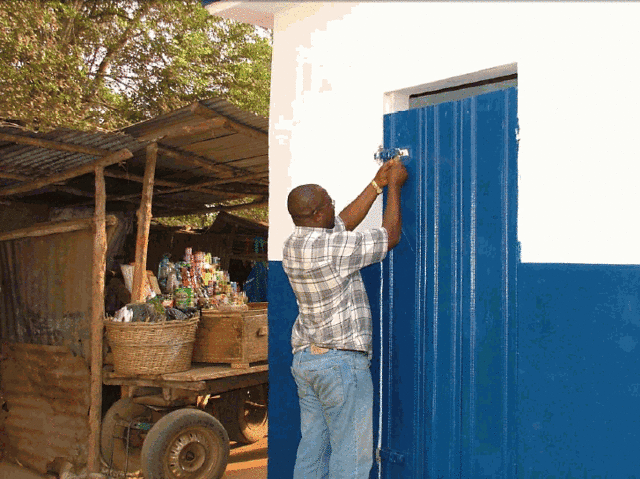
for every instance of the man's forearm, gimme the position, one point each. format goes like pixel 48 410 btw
pixel 356 211
pixel 392 218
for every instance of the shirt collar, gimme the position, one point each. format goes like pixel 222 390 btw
pixel 304 230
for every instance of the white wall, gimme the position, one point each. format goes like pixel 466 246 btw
pixel 578 104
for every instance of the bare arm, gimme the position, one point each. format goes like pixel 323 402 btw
pixel 355 212
pixel 392 217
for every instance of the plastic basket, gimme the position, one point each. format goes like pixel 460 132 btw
pixel 151 348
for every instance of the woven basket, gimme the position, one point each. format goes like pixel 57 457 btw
pixel 151 348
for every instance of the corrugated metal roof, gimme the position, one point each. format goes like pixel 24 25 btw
pixel 36 162
pixel 183 115
pixel 208 152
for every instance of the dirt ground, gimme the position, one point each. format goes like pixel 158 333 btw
pixel 245 462
pixel 10 471
pixel 248 462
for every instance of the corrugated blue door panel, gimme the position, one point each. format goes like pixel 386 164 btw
pixel 579 371
pixel 449 299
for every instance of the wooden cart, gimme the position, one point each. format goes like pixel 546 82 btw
pixel 178 425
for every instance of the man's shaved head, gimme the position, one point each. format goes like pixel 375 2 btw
pixel 306 200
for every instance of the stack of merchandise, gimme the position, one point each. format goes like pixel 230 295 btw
pixel 152 311
pixel 198 281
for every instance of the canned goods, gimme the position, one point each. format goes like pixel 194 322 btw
pixel 183 298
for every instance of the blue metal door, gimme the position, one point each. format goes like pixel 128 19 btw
pixel 448 338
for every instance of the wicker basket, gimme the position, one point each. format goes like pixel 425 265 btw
pixel 151 348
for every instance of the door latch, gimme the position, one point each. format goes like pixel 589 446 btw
pixel 386 154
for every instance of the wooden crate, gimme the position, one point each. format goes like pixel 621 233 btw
pixel 235 338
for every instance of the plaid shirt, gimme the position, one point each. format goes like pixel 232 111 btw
pixel 323 267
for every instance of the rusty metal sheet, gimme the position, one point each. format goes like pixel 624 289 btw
pixel 46 389
pixel 46 286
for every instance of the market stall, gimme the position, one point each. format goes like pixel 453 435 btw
pixel 161 167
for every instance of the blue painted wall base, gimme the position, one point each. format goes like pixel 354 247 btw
pixel 578 371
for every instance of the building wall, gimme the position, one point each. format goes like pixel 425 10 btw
pixel 333 64
pixel 338 68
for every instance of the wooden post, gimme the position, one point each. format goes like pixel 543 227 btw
pixel 144 220
pixel 97 317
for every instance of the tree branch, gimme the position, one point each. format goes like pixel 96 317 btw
pixel 126 36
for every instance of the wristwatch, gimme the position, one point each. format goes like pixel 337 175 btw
pixel 376 187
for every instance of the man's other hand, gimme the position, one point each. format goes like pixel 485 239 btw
pixel 382 176
pixel 397 173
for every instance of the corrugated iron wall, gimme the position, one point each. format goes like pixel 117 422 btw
pixel 45 309
pixel 46 389
pixel 46 290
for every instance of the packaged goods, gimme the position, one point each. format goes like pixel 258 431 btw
pixel 198 281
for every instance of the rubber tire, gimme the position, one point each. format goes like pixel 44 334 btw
pixel 183 432
pixel 244 423
pixel 112 435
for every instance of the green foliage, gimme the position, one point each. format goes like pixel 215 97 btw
pixel 105 64
pixel 259 214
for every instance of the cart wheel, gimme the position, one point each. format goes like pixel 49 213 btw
pixel 185 444
pixel 244 414
pixel 116 436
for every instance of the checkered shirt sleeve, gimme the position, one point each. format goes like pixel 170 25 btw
pixel 323 267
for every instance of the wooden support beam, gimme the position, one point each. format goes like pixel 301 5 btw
pixel 74 191
pixel 222 181
pixel 44 229
pixel 140 179
pixel 219 181
pixel 201 110
pixel 11 176
pixel 144 221
pixel 227 194
pixel 157 182
pixel 182 130
pixel 206 164
pixel 54 145
pixel 195 160
pixel 97 321
pixel 102 162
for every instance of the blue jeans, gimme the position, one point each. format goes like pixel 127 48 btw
pixel 336 415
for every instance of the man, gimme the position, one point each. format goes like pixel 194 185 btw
pixel 331 337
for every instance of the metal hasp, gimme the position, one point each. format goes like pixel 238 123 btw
pixel 449 377
pixel 386 154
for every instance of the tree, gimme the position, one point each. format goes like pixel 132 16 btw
pixel 105 64
pixel 259 214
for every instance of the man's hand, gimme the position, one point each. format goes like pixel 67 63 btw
pixel 397 173
pixel 382 176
